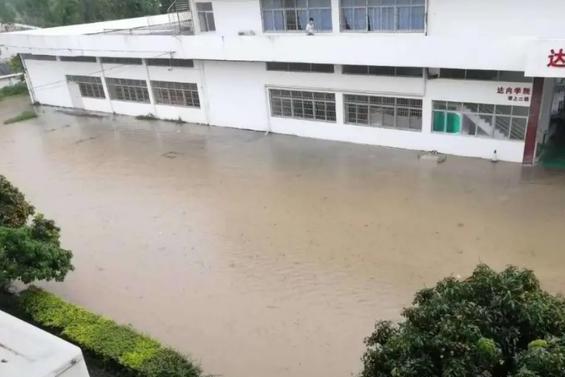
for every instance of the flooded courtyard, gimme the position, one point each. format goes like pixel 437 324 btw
pixel 269 255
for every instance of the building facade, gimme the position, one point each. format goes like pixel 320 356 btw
pixel 469 78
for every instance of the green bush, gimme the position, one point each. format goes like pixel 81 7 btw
pixel 28 252
pixel 137 354
pixel 24 115
pixel 13 90
pixel 14 209
pixel 491 324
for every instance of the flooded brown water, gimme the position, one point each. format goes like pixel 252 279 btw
pixel 269 255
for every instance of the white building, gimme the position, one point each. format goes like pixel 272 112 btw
pixel 458 76
pixel 26 351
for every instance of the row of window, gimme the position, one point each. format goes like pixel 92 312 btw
pixel 356 15
pixel 461 74
pixel 445 73
pixel 164 92
pixel 162 62
pixel 494 121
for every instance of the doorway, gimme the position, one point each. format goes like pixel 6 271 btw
pixel 551 142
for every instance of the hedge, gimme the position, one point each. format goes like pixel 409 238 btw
pixel 137 354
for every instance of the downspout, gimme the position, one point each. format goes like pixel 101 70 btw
pixel 28 81
pixel 104 85
pixel 426 11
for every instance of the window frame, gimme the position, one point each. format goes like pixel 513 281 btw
pixel 498 78
pixel 207 13
pixel 89 86
pixel 296 10
pixel 368 68
pixel 167 90
pixel 170 63
pixel 511 115
pixel 294 67
pixel 128 90
pixel 313 103
pixel 412 104
pixel 395 7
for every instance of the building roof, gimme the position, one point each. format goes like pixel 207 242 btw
pixel 27 351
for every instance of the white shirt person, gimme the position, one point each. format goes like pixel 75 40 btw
pixel 310 27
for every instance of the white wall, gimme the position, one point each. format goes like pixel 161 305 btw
pixel 514 18
pixel 235 94
pixel 231 17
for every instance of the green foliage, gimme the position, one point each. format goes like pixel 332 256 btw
pixel 24 115
pixel 28 252
pixel 14 209
pixel 27 258
pixel 137 354
pixel 544 358
pixel 13 90
pixel 47 13
pixel 488 325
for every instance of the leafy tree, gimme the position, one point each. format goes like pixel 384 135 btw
pixel 491 324
pixel 14 209
pixel 28 252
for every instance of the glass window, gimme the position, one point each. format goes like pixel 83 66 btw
pixel 83 59
pixel 382 71
pixel 90 87
pixel 127 61
pixel 300 67
pixel 383 15
pixel 486 120
pixel 171 62
pixel 390 112
pixel 38 57
pixel 128 90
pixel 206 17
pixel 303 105
pixel 484 75
pixel 175 93
pixel 293 15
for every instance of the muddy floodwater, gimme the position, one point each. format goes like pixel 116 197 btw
pixel 269 255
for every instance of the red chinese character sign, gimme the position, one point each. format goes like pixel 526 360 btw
pixel 515 94
pixel 556 59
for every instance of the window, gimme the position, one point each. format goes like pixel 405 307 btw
pixel 128 61
pixel 292 15
pixel 300 67
pixel 175 93
pixel 383 15
pixel 206 16
pixel 83 59
pixel 128 90
pixel 171 62
pixel 38 57
pixel 484 75
pixel 382 71
pixel 477 119
pixel 303 105
pixel 90 87
pixel 389 112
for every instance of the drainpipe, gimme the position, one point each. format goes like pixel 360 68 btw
pixel 150 88
pixel 104 86
pixel 28 80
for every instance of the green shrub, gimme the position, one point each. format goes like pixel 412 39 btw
pixel 137 354
pixel 13 90
pixel 14 209
pixel 491 324
pixel 28 252
pixel 24 115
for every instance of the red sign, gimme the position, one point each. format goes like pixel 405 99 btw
pixel 556 59
pixel 515 94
